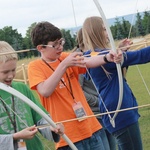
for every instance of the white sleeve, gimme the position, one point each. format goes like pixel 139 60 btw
pixel 6 142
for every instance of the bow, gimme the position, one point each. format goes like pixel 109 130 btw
pixel 36 108
pixel 120 78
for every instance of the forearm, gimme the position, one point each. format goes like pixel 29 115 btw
pixel 47 87
pixel 99 60
pixel 94 61
pixel 16 136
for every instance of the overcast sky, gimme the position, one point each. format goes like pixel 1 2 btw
pixel 20 14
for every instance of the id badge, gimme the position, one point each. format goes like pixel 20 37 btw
pixel 22 145
pixel 79 111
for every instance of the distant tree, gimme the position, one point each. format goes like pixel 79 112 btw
pixel 119 34
pixel 125 27
pixel 11 36
pixel 146 22
pixel 27 43
pixel 133 31
pixel 113 29
pixel 69 40
pixel 139 26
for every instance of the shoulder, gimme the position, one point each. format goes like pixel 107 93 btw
pixel 35 65
pixel 37 61
pixel 20 86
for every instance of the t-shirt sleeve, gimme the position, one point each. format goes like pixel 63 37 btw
pixel 35 74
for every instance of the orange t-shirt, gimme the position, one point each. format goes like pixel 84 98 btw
pixel 59 103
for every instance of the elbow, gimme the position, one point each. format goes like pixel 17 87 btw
pixel 45 93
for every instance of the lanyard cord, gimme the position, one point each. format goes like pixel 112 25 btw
pixel 12 119
pixel 70 91
pixel 15 141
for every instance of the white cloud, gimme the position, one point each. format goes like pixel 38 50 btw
pixel 20 14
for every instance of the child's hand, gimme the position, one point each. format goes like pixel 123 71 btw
pixel 27 133
pixel 118 57
pixel 59 129
pixel 125 44
pixel 74 59
pixel 113 57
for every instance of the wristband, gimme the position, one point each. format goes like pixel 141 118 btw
pixel 105 59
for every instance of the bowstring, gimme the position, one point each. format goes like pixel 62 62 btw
pixel 99 95
pixel 74 15
pixel 120 77
pixel 13 111
pixel 22 121
pixel 133 18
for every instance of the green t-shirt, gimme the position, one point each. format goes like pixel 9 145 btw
pixel 27 116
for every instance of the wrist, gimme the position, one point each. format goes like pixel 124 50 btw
pixel 16 136
pixel 105 59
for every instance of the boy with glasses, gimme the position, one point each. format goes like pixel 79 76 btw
pixel 55 78
pixel 18 120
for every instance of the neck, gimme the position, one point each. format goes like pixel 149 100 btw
pixel 49 60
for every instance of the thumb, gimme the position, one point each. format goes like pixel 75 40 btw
pixel 32 128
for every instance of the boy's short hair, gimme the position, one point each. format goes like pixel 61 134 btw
pixel 7 48
pixel 45 32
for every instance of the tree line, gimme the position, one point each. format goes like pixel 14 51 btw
pixel 120 30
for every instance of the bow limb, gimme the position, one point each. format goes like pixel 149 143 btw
pixel 120 78
pixel 36 108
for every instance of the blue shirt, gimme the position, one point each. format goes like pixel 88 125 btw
pixel 109 89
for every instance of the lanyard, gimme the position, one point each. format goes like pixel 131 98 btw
pixel 13 118
pixel 70 91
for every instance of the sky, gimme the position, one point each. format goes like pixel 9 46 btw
pixel 20 14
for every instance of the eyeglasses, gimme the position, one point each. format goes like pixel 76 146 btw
pixel 59 43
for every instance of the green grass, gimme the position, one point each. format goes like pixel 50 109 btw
pixel 143 97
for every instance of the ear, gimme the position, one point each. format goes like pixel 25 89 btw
pixel 39 48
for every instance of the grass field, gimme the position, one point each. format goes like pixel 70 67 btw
pixel 143 97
